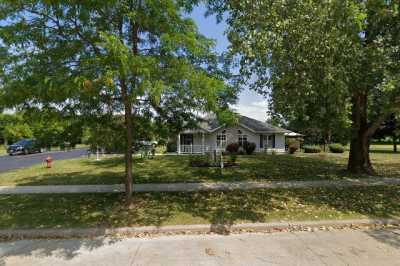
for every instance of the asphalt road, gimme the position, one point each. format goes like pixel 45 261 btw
pixel 8 163
pixel 343 247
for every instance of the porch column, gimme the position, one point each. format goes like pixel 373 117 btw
pixel 202 143
pixel 178 144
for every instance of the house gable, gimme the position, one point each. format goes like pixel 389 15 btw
pixel 232 134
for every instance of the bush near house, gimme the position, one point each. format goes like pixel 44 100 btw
pixel 292 149
pixel 312 149
pixel 293 146
pixel 232 148
pixel 172 147
pixel 232 158
pixel 249 147
pixel 336 148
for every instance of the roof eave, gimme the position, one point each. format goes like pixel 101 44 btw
pixel 270 132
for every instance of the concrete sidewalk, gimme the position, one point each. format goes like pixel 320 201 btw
pixel 337 247
pixel 187 187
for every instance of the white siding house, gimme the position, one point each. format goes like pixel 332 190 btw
pixel 210 135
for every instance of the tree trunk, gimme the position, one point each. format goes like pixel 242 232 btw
pixel 359 160
pixel 129 142
pixel 394 143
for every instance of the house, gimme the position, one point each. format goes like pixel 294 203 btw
pixel 211 135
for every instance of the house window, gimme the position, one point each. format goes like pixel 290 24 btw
pixel 271 141
pixel 221 140
pixel 242 140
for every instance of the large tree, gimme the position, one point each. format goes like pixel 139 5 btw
pixel 331 54
pixel 13 127
pixel 99 58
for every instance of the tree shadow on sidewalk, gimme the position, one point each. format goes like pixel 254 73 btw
pixel 388 236
pixel 62 249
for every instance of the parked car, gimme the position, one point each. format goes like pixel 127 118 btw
pixel 138 145
pixel 24 146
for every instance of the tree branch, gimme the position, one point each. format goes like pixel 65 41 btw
pixel 375 125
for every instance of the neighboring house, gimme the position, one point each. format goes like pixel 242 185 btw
pixel 210 135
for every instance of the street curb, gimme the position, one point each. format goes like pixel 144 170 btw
pixel 191 229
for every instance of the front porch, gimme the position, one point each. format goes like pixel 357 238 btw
pixel 192 142
pixel 199 142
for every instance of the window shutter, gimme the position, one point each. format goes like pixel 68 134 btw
pixel 261 141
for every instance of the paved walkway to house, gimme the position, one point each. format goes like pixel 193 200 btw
pixel 341 247
pixel 186 187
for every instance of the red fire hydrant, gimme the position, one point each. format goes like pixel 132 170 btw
pixel 49 162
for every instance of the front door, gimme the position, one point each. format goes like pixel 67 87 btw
pixel 187 139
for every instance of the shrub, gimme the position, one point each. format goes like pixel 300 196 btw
pixel 232 147
pixel 312 149
pixel 171 147
pixel 232 158
pixel 293 146
pixel 336 148
pixel 292 149
pixel 249 147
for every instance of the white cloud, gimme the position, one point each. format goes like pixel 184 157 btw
pixel 257 109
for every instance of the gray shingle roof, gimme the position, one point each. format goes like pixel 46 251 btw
pixel 212 124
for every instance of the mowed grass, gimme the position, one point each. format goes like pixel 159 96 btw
pixel 3 150
pixel 170 168
pixel 217 207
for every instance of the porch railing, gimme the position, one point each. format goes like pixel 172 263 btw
pixel 193 148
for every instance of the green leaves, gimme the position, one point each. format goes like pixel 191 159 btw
pixel 77 56
pixel 309 57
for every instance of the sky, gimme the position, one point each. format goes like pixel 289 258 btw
pixel 250 103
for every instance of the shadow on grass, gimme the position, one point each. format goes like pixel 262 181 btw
pixel 108 162
pixel 171 169
pixel 74 178
pixel 218 207
pixel 370 202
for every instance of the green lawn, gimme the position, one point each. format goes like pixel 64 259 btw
pixel 3 150
pixel 228 207
pixel 170 168
pixel 386 148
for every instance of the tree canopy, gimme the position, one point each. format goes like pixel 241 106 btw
pixel 137 58
pixel 320 61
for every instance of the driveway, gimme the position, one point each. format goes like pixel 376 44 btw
pixel 338 247
pixel 20 161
